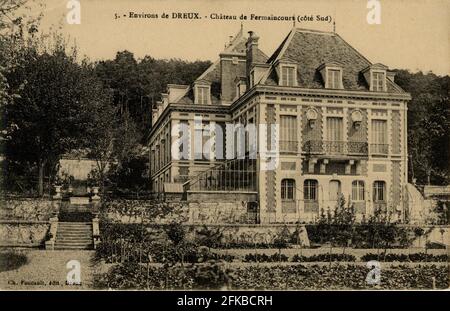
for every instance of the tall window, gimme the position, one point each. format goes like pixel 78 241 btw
pixel 358 190
pixel 310 190
pixel 202 135
pixel 378 81
pixel 288 137
pixel 379 191
pixel 288 75
pixel 334 79
pixel 335 128
pixel 288 189
pixel 184 135
pixel 379 136
pixel 203 95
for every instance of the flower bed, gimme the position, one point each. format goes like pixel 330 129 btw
pixel 298 277
pixel 298 258
pixel 415 257
pixel 324 257
pixel 265 258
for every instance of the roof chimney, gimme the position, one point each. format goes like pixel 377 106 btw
pixel 252 50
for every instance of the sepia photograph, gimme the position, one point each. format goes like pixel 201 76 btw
pixel 224 146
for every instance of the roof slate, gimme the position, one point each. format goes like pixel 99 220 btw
pixel 212 74
pixel 310 49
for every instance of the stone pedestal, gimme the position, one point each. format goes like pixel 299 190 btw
pixel 57 195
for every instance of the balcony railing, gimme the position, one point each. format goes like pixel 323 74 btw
pixel 335 147
pixel 288 146
pixel 379 148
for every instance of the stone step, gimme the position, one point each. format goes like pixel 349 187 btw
pixel 71 233
pixel 74 235
pixel 81 244
pixel 63 247
pixel 74 232
pixel 68 237
pixel 74 241
pixel 75 227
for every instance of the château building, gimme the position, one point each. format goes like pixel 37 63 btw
pixel 340 128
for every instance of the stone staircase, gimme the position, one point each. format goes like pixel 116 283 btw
pixel 74 235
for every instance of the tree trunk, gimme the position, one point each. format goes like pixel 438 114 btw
pixel 41 178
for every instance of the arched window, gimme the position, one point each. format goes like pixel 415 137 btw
pixel 379 191
pixel 358 190
pixel 288 189
pixel 310 190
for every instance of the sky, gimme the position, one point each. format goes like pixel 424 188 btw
pixel 413 34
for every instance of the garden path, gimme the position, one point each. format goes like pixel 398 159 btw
pixel 47 270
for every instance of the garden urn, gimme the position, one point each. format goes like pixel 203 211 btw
pixel 95 192
pixel 57 192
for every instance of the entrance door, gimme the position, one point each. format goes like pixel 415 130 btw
pixel 334 190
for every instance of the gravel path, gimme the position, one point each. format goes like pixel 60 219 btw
pixel 47 270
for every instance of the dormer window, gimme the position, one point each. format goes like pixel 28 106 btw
pixel 331 73
pixel 288 75
pixel 202 94
pixel 375 76
pixel 334 79
pixel 378 81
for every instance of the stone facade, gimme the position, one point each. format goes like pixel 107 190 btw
pixel 345 135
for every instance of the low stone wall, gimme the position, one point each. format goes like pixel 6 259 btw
pixel 217 208
pixel 438 234
pixel 30 209
pixel 259 234
pixel 23 233
pixel 136 211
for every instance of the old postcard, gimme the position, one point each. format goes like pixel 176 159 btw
pixel 224 145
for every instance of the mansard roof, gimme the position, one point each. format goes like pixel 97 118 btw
pixel 212 74
pixel 310 49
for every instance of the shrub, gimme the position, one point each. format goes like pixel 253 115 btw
pixel 11 260
pixel 297 277
pixel 324 258
pixel 265 258
pixel 415 257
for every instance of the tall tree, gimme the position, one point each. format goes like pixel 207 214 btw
pixel 428 126
pixel 136 85
pixel 53 109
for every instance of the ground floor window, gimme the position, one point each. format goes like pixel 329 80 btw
pixel 358 190
pixel 379 191
pixel 310 187
pixel 288 189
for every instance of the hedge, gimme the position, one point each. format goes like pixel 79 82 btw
pixel 297 277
